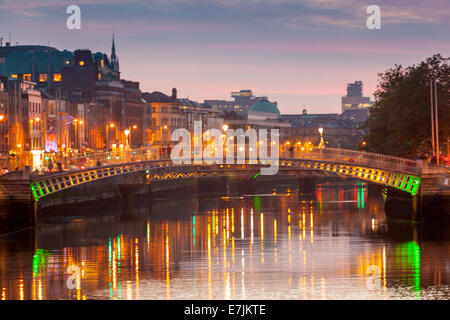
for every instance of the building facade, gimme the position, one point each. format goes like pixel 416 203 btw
pixel 338 132
pixel 243 101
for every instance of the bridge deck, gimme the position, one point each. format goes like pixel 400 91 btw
pixel 389 171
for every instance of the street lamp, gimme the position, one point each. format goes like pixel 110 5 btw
pixel 322 143
pixel 126 132
pixel 110 125
pixel 225 127
pixel 165 127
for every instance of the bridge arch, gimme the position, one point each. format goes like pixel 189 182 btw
pixel 392 172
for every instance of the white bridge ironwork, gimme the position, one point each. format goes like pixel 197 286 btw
pixel 390 171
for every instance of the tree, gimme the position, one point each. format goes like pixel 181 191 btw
pixel 400 120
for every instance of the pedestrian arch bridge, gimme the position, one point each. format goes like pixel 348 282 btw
pixel 402 174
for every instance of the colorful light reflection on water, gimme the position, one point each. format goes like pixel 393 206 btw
pixel 281 244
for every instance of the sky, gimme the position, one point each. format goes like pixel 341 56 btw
pixel 300 53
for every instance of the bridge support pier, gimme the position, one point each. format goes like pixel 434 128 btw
pixel 307 185
pixel 399 206
pixel 128 194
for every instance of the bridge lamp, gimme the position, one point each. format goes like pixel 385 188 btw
pixel 322 143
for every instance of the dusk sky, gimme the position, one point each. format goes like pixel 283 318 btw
pixel 297 52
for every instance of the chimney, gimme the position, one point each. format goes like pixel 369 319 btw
pixel 174 93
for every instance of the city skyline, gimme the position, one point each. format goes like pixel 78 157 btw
pixel 300 53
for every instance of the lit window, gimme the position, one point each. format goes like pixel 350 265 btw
pixel 14 76
pixel 57 77
pixel 42 77
pixel 81 63
pixel 100 75
pixel 102 63
pixel 27 77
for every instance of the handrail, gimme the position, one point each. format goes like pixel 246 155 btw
pixel 352 157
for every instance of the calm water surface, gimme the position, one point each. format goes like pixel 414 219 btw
pixel 332 243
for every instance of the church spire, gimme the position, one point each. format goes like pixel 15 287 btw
pixel 113 49
pixel 114 58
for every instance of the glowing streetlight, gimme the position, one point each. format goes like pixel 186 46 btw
pixel 2 117
pixel 322 143
pixel 165 127
pixel 225 127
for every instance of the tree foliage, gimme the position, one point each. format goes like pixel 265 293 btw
pixel 400 120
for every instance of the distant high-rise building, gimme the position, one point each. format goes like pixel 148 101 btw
pixel 354 89
pixel 354 104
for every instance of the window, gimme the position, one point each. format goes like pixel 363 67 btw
pixel 27 77
pixel 42 77
pixel 164 109
pixel 57 77
pixel 154 109
pixel 14 76
pixel 52 108
pixel 153 122
pixel 102 63
pixel 100 75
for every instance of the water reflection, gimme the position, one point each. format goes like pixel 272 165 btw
pixel 277 244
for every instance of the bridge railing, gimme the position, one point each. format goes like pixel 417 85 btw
pixel 352 157
pixel 355 157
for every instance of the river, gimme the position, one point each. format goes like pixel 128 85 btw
pixel 278 243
